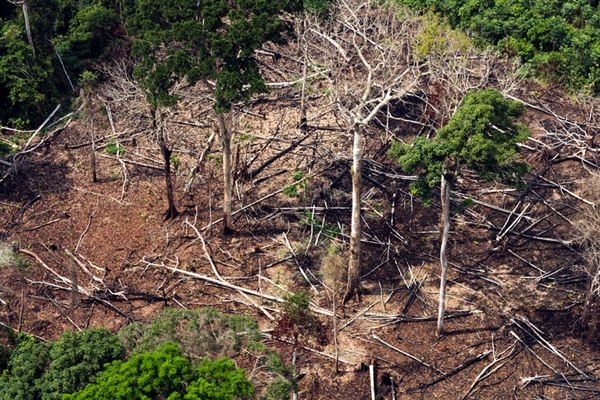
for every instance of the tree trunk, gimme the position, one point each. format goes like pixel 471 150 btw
pixel 445 194
pixel 225 130
pixel 589 315
pixel 166 153
pixel 303 122
pixel 28 26
pixel 356 228
pixel 93 154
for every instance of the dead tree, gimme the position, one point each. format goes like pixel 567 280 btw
pixel 366 52
pixel 588 228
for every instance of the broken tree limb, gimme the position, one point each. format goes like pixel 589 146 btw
pixel 131 162
pixel 498 362
pixel 262 199
pixel 238 288
pixel 456 370
pixel 83 267
pixel 70 284
pixel 214 268
pixel 323 354
pixel 535 333
pixel 372 378
pixel 406 354
pixel 277 156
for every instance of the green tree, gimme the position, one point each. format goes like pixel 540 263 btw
pixel 46 371
pixel 481 136
pixel 77 358
pixel 212 41
pixel 26 366
pixel 166 374
pixel 219 380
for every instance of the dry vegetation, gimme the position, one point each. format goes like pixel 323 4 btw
pixel 89 254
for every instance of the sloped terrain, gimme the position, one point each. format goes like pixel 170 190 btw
pixel 101 253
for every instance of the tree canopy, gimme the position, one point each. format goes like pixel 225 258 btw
pixel 49 370
pixel 560 39
pixel 165 373
pixel 210 40
pixel 482 136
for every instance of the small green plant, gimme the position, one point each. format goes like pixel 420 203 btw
pixel 115 149
pixel 175 162
pixel 298 324
pixel 5 148
pixel 279 389
pixel 293 190
pixel 20 263
pixel 87 79
pixel 216 158
pixel 244 137
pixel 324 228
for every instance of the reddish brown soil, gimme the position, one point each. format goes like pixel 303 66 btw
pixel 130 240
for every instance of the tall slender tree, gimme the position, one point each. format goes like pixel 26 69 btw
pixel 482 136
pixel 213 42
pixel 157 79
pixel 364 48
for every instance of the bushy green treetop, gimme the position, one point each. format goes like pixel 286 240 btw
pixel 166 374
pixel 200 333
pixel 482 135
pixel 210 40
pixel 46 371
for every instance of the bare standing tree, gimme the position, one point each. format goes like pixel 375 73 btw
pixel 588 228
pixel 367 52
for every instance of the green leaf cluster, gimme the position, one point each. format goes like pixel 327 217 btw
pixel 205 40
pixel 482 136
pixel 166 374
pixel 33 81
pixel 560 38
pixel 46 371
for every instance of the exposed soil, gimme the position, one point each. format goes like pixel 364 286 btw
pixel 500 287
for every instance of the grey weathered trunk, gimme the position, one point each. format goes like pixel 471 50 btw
pixel 445 194
pixel 225 131
pixel 93 153
pixel 589 315
pixel 356 226
pixel 28 26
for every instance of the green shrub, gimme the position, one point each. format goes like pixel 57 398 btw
pixel 115 149
pixel 200 333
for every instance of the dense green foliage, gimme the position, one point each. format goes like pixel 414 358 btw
pixel 482 136
pixel 48 370
pixel 166 374
pixel 560 38
pixel 169 358
pixel 32 80
pixel 212 40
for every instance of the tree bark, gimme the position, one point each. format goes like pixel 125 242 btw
pixel 356 227
pixel 225 131
pixel 445 194
pixel 166 153
pixel 28 26
pixel 93 152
